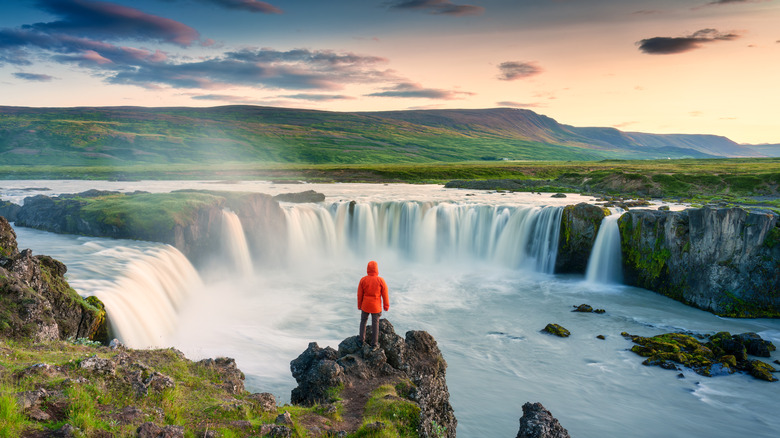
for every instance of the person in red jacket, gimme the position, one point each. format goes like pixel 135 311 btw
pixel 371 298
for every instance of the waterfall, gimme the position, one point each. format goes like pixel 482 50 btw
pixel 605 264
pixel 517 237
pixel 143 303
pixel 234 242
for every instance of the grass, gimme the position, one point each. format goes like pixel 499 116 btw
pixel 400 416
pixel 94 403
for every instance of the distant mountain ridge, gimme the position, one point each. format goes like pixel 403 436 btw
pixel 127 135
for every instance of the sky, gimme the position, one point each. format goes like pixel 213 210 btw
pixel 660 66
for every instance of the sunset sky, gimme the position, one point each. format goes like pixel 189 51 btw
pixel 661 66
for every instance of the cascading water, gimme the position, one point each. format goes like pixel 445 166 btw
pixel 518 237
pixel 605 264
pixel 143 304
pixel 235 245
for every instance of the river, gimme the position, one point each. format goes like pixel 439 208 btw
pixel 482 287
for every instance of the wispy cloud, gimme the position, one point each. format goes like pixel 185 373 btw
pixel 670 45
pixel 246 5
pixel 436 7
pixel 299 69
pixel 35 77
pixel 109 21
pixel 412 90
pixel 513 70
pixel 316 97
pixel 518 104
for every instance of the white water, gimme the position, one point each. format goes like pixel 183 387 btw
pixel 426 232
pixel 234 243
pixel 485 314
pixel 605 263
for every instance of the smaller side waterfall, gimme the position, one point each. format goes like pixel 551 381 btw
pixel 143 304
pixel 234 242
pixel 605 264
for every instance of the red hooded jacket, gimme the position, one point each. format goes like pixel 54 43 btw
pixel 372 291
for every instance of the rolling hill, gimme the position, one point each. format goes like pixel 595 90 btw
pixel 130 135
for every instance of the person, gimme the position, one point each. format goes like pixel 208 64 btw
pixel 372 297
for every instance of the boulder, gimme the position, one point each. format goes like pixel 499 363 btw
pixel 722 354
pixel 557 330
pixel 538 422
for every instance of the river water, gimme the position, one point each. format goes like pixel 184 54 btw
pixel 484 302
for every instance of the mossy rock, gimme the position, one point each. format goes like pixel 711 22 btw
pixel 762 370
pixel 557 330
pixel 721 354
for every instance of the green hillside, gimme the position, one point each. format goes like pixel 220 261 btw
pixel 134 135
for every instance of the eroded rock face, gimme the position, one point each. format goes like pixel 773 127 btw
pixel 36 302
pixel 538 422
pixel 416 358
pixel 579 227
pixel 196 234
pixel 723 260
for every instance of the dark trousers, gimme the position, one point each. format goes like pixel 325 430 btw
pixel 374 326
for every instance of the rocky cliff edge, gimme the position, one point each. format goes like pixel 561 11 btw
pixel 408 373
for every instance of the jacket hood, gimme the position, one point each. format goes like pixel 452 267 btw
pixel 373 268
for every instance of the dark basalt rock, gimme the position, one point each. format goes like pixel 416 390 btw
pixel 584 308
pixel 580 225
pixel 557 330
pixel 538 422
pixel 300 197
pixel 724 260
pixel 195 234
pixel 9 210
pixel 721 354
pixel 416 358
pixel 36 302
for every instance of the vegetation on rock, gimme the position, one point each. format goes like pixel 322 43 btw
pixel 723 353
pixel 556 330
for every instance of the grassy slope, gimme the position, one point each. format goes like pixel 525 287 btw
pixel 128 135
pixel 96 403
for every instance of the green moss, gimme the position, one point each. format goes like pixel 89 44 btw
pixel 400 416
pixel 772 238
pixel 556 330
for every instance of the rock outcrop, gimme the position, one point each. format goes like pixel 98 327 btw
pixel 35 300
pixel 538 422
pixel 723 260
pixel 190 220
pixel 300 197
pixel 416 359
pixel 579 227
pixel 723 353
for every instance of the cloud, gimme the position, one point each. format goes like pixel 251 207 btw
pixel 412 90
pixel 670 45
pixel 317 97
pixel 108 21
pixel 518 104
pixel 35 77
pixel 298 69
pixel 436 7
pixel 247 5
pixel 513 70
